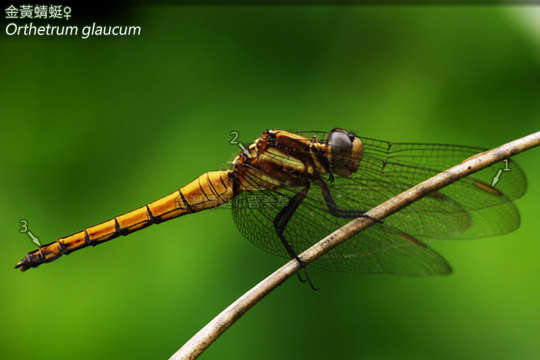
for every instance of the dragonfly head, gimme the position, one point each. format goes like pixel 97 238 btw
pixel 344 151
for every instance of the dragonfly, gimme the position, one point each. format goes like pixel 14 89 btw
pixel 287 190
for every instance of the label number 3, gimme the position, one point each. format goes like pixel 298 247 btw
pixel 24 226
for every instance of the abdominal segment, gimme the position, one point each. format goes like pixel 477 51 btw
pixel 207 191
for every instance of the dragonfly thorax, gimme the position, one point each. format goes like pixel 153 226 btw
pixel 280 157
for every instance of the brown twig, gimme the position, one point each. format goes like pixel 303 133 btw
pixel 209 333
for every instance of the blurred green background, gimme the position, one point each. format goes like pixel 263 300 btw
pixel 93 128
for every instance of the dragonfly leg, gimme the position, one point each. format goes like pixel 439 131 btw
pixel 280 222
pixel 338 212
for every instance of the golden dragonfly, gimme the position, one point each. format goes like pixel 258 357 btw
pixel 288 190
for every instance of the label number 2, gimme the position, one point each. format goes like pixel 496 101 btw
pixel 234 139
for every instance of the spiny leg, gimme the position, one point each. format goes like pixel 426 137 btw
pixel 280 222
pixel 338 212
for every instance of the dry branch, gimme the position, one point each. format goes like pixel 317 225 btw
pixel 209 333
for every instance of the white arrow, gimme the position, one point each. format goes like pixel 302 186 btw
pixel 496 178
pixel 34 239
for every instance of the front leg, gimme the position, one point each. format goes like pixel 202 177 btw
pixel 335 210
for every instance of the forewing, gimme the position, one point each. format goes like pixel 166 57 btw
pixel 475 206
pixel 415 160
pixel 468 208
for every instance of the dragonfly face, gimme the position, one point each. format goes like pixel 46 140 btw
pixel 344 151
pixel 289 190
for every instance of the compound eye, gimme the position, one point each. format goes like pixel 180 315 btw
pixel 340 144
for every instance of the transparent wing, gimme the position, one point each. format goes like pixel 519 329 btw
pixel 378 249
pixel 476 206
pixel 415 161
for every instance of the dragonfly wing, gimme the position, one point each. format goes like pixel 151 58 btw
pixel 378 249
pixel 383 249
pixel 468 208
pixel 411 161
pixel 478 205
